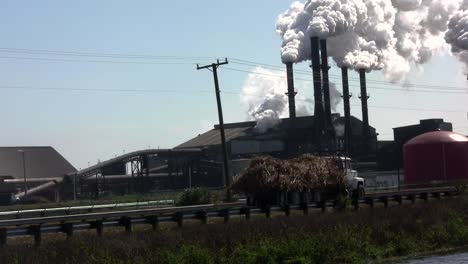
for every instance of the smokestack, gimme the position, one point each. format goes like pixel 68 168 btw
pixel 347 110
pixel 365 109
pixel 319 121
pixel 291 91
pixel 326 89
pixel 327 119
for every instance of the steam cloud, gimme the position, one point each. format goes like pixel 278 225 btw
pixel 263 94
pixel 388 35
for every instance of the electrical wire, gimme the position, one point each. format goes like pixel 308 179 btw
pixel 154 57
pixel 228 92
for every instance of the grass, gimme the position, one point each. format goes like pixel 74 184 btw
pixel 103 200
pixel 338 237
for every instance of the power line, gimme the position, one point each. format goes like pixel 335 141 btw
pixel 104 55
pixel 166 57
pixel 371 87
pixel 230 92
pixel 107 90
pixel 251 63
pixel 98 61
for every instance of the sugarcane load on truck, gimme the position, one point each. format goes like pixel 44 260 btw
pixel 304 179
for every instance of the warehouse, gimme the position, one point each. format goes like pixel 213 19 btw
pixel 27 167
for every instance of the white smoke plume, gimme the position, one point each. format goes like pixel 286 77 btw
pixel 457 35
pixel 388 35
pixel 264 96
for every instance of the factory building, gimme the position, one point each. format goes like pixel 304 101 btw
pixel 245 141
pixel 390 154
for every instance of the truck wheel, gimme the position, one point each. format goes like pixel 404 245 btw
pixel 361 191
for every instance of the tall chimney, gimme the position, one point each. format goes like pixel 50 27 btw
pixel 347 110
pixel 326 89
pixel 319 118
pixel 365 109
pixel 291 91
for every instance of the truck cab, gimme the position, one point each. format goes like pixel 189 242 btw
pixel 354 183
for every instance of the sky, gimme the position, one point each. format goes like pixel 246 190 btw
pixel 93 108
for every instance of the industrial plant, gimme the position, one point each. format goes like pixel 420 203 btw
pixel 30 172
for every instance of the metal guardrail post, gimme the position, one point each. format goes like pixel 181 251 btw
pixel 399 199
pixel 412 197
pixel 323 206
pixel 246 211
pixel 305 208
pixel 287 210
pixel 67 228
pixel 154 221
pixel 35 231
pixel 127 223
pixel 3 237
pixel 384 200
pixel 98 224
pixel 179 217
pixel 203 216
pixel 225 214
pixel 425 197
pixel 436 195
pixel 370 202
pixel 267 211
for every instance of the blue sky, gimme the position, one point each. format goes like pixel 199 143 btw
pixel 89 125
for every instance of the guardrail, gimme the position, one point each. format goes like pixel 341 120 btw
pixel 76 209
pixel 68 224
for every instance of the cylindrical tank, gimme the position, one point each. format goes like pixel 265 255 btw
pixel 436 158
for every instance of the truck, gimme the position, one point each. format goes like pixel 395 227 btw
pixel 308 178
pixel 354 183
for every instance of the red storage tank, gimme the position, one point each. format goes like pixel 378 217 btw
pixel 436 157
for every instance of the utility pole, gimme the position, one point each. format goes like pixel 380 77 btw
pixel 214 68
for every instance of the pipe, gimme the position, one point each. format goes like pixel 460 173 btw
pixel 291 91
pixel 38 189
pixel 30 180
pixel 318 123
pixel 129 156
pixel 151 175
pixel 326 89
pixel 365 109
pixel 347 110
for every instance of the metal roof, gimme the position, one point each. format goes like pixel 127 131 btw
pixel 246 130
pixel 40 162
pixel 212 137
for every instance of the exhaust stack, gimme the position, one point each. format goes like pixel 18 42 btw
pixel 365 109
pixel 319 118
pixel 328 124
pixel 291 92
pixel 347 110
pixel 326 89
